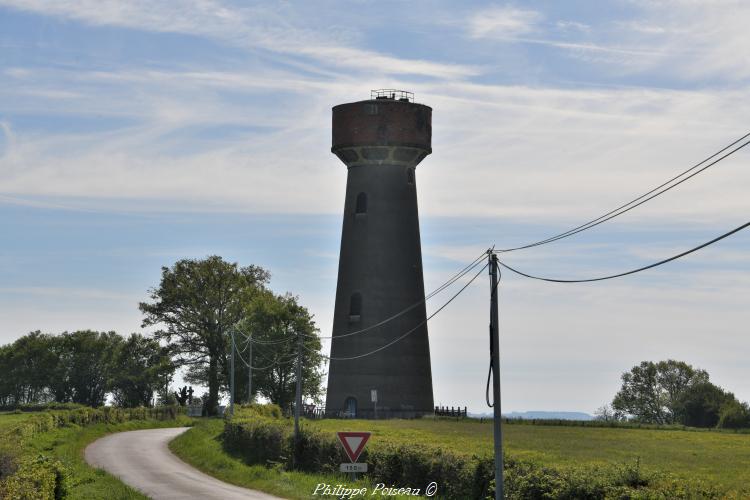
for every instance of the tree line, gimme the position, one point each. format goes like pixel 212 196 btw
pixel 192 312
pixel 81 367
pixel 674 392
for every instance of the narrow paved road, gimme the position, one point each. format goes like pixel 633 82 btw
pixel 142 460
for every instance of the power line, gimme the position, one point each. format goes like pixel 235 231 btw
pixel 247 364
pixel 398 339
pixel 640 200
pixel 460 274
pixel 725 235
pixel 463 272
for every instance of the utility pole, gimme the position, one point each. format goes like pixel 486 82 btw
pixel 250 371
pixel 231 377
pixel 495 353
pixel 298 396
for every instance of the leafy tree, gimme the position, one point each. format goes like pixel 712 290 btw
pixel 6 381
pixel 275 323
pixel 651 392
pixel 138 370
pixel 89 364
pixel 675 377
pixel 734 415
pixel 59 383
pixel 27 366
pixel 195 304
pixel 701 403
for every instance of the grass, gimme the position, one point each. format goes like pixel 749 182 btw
pixel 201 448
pixel 719 458
pixel 68 443
pixel 8 419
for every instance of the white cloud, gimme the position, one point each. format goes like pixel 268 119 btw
pixel 559 155
pixel 502 22
pixel 264 27
pixel 706 38
pixel 573 26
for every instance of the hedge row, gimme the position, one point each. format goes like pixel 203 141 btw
pixel 37 478
pixel 270 441
pixel 47 421
pixel 40 477
pixel 42 407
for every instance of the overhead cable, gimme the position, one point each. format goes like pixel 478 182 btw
pixel 463 272
pixel 248 365
pixel 398 339
pixel 639 200
pixel 650 266
pixel 460 274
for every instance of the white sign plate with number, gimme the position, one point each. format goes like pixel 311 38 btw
pixel 353 468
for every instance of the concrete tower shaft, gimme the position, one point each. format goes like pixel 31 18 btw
pixel 381 141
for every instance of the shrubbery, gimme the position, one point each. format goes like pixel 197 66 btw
pixel 41 478
pixel 38 478
pixel 260 438
pixel 22 408
pixel 734 415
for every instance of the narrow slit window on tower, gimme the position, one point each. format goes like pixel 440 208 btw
pixel 410 175
pixel 355 307
pixel 361 207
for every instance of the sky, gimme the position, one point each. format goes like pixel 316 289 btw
pixel 137 133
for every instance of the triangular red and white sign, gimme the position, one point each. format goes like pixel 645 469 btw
pixel 353 443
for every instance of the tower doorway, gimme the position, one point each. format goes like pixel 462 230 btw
pixel 350 407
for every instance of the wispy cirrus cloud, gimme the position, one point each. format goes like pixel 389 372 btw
pixel 503 22
pixel 274 28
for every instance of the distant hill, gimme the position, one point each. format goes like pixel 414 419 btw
pixel 551 415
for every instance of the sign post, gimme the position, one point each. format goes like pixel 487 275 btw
pixel 374 399
pixel 353 444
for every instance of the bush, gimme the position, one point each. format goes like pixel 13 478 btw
pixel 40 477
pixel 260 440
pixel 734 415
pixel 257 409
pixel 41 407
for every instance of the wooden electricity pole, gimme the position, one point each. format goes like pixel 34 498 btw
pixel 231 377
pixel 250 371
pixel 495 353
pixel 298 397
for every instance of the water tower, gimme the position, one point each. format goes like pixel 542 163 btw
pixel 381 141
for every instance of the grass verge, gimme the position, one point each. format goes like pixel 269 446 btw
pixel 201 447
pixel 67 445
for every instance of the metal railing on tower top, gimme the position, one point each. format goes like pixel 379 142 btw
pixel 392 94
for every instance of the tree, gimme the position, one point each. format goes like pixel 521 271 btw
pixel 734 415
pixel 700 404
pixel 89 364
pixel 138 370
pixel 606 413
pixel 27 366
pixel 197 301
pixel 275 323
pixel 675 377
pixel 6 381
pixel 651 392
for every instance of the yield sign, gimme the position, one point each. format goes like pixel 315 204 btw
pixel 353 443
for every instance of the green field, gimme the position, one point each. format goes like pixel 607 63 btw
pixel 719 458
